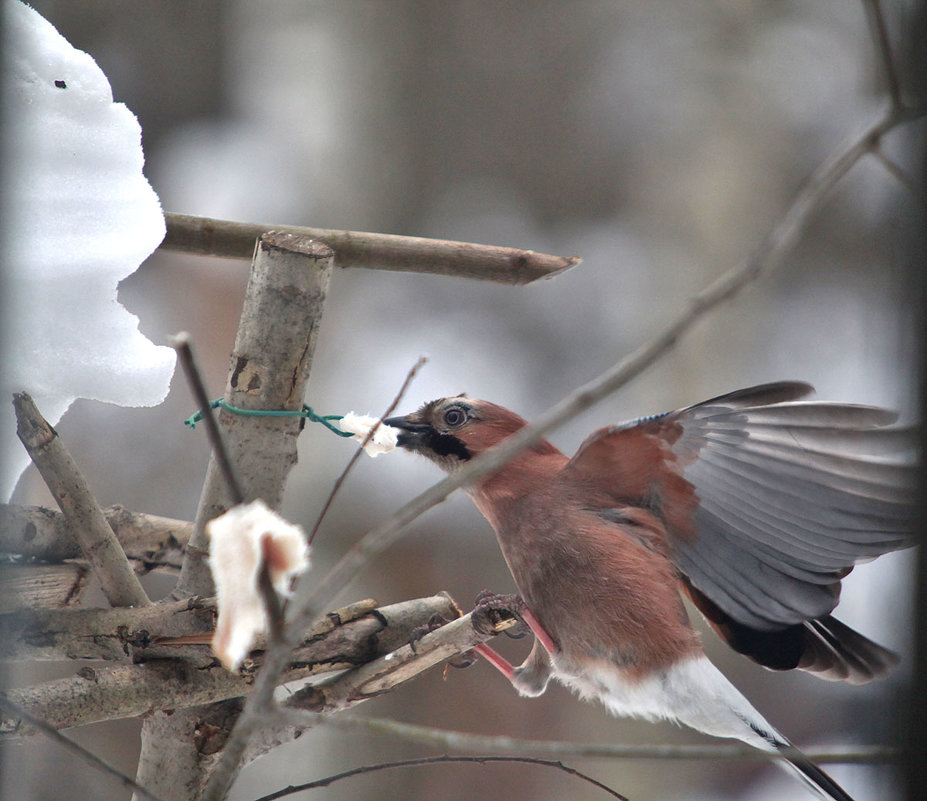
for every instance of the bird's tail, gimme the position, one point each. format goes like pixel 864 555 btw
pixel 697 694
pixel 812 774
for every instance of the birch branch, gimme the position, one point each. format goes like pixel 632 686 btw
pixel 444 759
pixel 235 240
pixel 108 634
pixel 393 669
pixel 39 533
pixel 85 518
pixel 27 587
pixel 876 18
pixel 8 708
pixel 465 741
pixel 269 371
pixel 352 636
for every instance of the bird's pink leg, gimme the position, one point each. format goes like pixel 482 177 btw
pixel 490 602
pixel 496 659
pixel 531 677
pixel 539 631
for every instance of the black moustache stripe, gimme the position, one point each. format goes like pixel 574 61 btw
pixel 439 444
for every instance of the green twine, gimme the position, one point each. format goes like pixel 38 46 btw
pixel 306 412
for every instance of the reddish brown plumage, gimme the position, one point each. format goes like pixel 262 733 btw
pixel 601 590
pixel 601 544
pixel 634 465
pixel 754 506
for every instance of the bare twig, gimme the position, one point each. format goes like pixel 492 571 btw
pixel 11 708
pixel 40 533
pixel 181 343
pixel 370 679
pixel 85 518
pixel 372 251
pixel 347 638
pixel 465 741
pixel 439 760
pixel 895 170
pixel 388 672
pixel 357 453
pixel 876 18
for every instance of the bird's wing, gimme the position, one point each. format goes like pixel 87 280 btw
pixel 767 502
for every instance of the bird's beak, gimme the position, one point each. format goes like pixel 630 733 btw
pixel 412 430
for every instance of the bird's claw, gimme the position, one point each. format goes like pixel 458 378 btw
pixel 492 609
pixel 463 660
pixel 434 622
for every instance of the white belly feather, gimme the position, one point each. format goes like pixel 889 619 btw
pixel 693 692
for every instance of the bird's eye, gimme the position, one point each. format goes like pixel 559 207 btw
pixel 454 417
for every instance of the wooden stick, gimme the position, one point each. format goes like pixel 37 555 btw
pixel 269 372
pixel 85 518
pixel 345 639
pixel 235 240
pixel 39 533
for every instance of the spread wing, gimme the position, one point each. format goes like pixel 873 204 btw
pixel 768 503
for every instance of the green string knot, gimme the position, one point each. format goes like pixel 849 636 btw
pixel 306 412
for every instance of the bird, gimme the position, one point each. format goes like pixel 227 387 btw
pixel 754 505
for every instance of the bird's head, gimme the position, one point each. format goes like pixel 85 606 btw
pixel 451 431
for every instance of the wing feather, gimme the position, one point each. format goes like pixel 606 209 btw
pixel 767 501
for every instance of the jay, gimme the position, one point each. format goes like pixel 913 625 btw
pixel 754 505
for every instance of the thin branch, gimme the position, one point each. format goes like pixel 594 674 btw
pixel 85 518
pixel 876 17
pixel 464 741
pixel 393 669
pixel 440 760
pixel 352 637
pixel 895 170
pixel 181 343
pixel 39 533
pixel 11 708
pixel 260 702
pixel 235 240
pixel 344 474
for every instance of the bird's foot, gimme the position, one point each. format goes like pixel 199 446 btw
pixel 492 610
pixel 463 660
pixel 434 623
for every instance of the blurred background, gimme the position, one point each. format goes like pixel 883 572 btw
pixel 657 141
